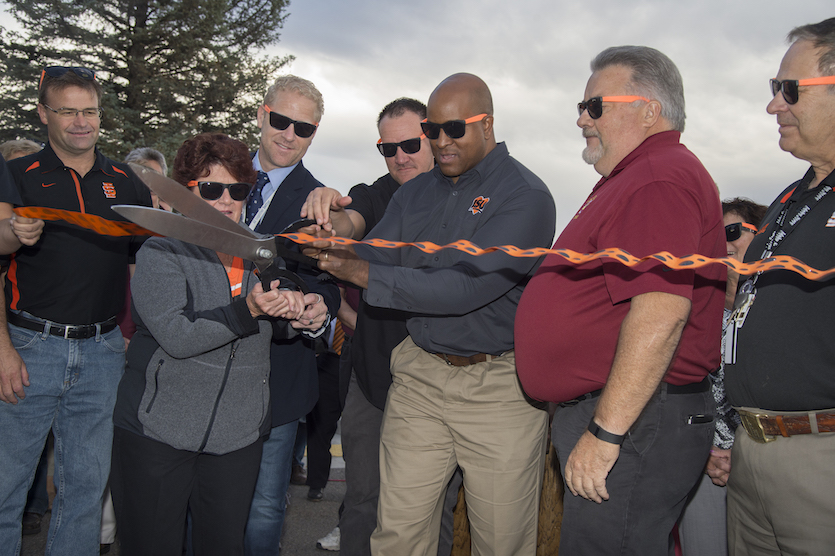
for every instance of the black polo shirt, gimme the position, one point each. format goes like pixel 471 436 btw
pixel 72 275
pixel 379 330
pixel 785 359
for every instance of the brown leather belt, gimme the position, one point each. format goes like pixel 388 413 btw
pixel 764 426
pixel 461 361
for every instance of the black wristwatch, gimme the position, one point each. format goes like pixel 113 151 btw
pixel 605 435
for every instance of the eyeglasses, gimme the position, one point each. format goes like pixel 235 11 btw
pixel 454 129
pixel 790 87
pixel 734 231
pixel 302 129
pixel 595 104
pixel 58 71
pixel 212 190
pixel 409 146
pixel 89 113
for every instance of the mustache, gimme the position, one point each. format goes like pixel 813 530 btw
pixel 588 132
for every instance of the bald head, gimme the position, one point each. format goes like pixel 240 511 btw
pixel 460 97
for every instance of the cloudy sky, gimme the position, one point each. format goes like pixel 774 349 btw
pixel 534 55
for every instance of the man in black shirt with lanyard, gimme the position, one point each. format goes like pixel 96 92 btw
pixel 779 346
pixel 62 297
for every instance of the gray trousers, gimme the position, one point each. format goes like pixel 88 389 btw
pixel 361 423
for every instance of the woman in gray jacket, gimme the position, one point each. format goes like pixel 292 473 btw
pixel 193 403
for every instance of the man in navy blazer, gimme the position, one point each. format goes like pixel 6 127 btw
pixel 288 119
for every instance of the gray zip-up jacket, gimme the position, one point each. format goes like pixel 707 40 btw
pixel 197 374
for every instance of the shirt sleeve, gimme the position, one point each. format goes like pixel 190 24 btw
pixel 660 216
pixel 8 189
pixel 470 282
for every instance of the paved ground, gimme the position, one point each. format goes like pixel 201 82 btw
pixel 305 523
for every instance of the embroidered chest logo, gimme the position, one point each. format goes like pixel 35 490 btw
pixel 831 222
pixel 586 204
pixel 109 190
pixel 478 204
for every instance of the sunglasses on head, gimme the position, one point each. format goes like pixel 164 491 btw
pixel 58 71
pixel 454 129
pixel 734 231
pixel 409 146
pixel 213 190
pixel 302 129
pixel 595 104
pixel 791 87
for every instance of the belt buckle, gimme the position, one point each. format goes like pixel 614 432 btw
pixel 753 426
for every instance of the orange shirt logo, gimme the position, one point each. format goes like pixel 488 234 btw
pixel 478 204
pixel 109 190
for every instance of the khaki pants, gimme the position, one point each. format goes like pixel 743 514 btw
pixel 438 416
pixel 781 496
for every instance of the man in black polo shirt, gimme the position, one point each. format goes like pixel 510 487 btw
pixel 407 154
pixel 62 297
pixel 781 491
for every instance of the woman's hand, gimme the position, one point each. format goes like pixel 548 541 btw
pixel 276 303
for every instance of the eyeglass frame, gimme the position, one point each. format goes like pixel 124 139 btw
pixel 432 128
pixel 224 187
pixel 585 105
pixel 383 147
pixel 77 111
pixel 779 86
pixel 741 226
pixel 295 123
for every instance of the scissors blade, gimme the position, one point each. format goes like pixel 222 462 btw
pixel 186 202
pixel 261 250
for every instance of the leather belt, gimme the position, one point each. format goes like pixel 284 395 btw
pixel 461 361
pixel 764 426
pixel 66 331
pixel 693 388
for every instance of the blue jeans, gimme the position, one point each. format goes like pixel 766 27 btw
pixel 72 391
pixel 266 515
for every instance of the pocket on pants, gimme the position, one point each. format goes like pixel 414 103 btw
pixel 114 341
pixel 23 339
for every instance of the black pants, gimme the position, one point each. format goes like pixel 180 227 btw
pixel 321 421
pixel 153 486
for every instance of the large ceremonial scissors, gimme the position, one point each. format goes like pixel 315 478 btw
pixel 202 225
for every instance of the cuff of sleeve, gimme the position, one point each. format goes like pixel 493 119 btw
pixel 321 330
pixel 245 324
pixel 380 285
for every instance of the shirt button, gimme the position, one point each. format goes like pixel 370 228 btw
pixel 436 258
pixel 443 225
pixel 454 193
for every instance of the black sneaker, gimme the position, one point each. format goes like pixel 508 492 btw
pixel 31 523
pixel 314 494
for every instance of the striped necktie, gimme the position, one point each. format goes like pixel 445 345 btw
pixel 338 337
pixel 255 200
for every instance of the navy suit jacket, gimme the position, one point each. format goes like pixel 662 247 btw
pixel 294 385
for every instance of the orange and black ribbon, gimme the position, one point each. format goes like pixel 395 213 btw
pixel 780 262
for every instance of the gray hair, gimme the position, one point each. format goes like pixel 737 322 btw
pixel 654 76
pixel 822 36
pixel 144 154
pixel 301 86
pixel 19 147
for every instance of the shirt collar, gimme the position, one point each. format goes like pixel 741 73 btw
pixel 277 175
pixel 664 138
pixel 480 171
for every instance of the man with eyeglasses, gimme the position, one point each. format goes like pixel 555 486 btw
pixel 288 117
pixel 407 154
pixel 625 351
pixel 779 351
pixel 63 294
pixel 455 398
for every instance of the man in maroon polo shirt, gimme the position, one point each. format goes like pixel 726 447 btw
pixel 625 351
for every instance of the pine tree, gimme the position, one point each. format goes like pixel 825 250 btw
pixel 169 69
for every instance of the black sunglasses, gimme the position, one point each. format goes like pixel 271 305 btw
pixel 791 87
pixel 58 71
pixel 595 104
pixel 734 231
pixel 409 146
pixel 454 129
pixel 213 190
pixel 302 129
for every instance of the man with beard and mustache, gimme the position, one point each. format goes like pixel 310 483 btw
pixel 625 351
